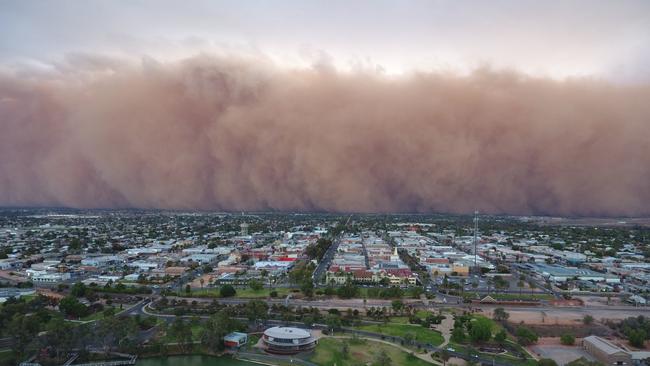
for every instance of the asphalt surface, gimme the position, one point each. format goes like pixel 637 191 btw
pixel 325 261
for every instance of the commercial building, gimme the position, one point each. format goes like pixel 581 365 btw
pixel 235 340
pixel 288 340
pixel 559 274
pixel 606 352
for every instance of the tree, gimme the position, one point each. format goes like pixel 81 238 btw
pixel 227 291
pixel 60 336
pixel 636 337
pixel 23 329
pixel 525 336
pixel 458 335
pixel 75 245
pixel 217 327
pixel 71 307
pixel 108 312
pixel 182 333
pixel 255 285
pixel 444 356
pixel 480 330
pixel 500 315
pixel 587 319
pixel 256 310
pixel 521 284
pixel 397 306
pixel 567 340
pixel 307 288
pixel 500 337
pixel 333 322
pixel 546 362
pixel 116 331
pixel 202 281
pixel 347 291
pixel 188 289
pixel 383 359
pixel 78 289
pixel 345 351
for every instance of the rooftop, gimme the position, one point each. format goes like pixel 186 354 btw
pixel 287 333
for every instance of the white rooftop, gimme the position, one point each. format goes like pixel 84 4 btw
pixel 287 333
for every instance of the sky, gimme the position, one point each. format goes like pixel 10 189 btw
pixel 608 39
pixel 516 107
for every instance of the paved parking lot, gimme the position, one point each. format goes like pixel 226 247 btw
pixel 561 354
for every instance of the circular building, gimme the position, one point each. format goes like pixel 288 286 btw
pixel 288 340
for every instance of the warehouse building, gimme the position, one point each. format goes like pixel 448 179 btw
pixel 606 352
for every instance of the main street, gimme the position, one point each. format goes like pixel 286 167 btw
pixel 324 263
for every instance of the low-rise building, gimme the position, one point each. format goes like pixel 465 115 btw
pixel 606 352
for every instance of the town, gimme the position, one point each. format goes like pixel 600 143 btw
pixel 84 286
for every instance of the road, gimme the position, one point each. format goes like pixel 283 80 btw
pixel 325 262
pixel 599 312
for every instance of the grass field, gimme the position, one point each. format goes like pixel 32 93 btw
pixel 97 315
pixel 419 333
pixel 523 296
pixel 361 353
pixel 241 292
pixel 6 356
pixel 507 358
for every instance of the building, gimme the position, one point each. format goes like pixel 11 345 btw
pixel 606 352
pixel 288 340
pixel 7 293
pixel 235 340
pixel 243 229
pixel 560 274
pixel 50 277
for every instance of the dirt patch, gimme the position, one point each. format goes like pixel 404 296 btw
pixel 577 330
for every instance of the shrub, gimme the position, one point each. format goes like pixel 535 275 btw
pixel 567 340
pixel 227 291
pixel 526 336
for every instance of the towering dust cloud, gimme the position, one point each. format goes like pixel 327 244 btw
pixel 232 134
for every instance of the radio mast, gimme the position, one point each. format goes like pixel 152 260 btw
pixel 476 241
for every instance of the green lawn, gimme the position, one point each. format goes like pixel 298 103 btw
pixel 421 334
pixel 361 352
pixel 6 355
pixel 507 358
pixel 264 293
pixel 97 315
pixel 399 319
pixel 523 296
pixel 422 314
pixel 241 292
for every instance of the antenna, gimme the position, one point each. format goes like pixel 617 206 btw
pixel 476 240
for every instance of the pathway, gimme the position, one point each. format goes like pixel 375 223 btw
pixel 423 356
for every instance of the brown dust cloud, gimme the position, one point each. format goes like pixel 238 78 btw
pixel 229 133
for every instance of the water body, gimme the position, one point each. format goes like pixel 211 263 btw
pixel 196 360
